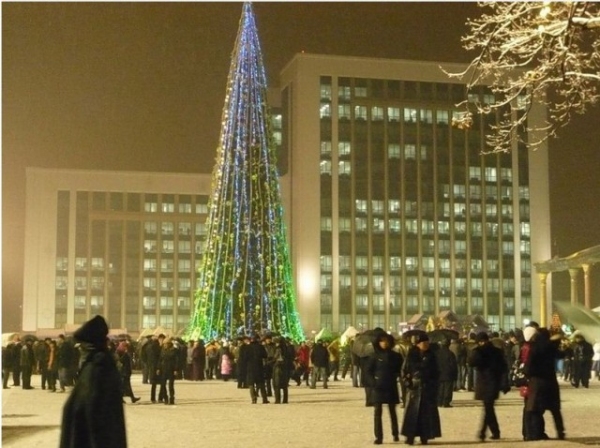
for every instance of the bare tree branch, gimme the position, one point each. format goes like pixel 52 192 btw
pixel 528 52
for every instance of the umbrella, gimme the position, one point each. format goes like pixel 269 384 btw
pixel 581 318
pixel 363 342
pixel 442 333
pixel 348 334
pixel 414 334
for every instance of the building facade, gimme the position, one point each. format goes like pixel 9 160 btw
pixel 391 212
pixel 394 211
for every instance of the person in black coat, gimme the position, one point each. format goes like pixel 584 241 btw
pixel 93 414
pixel 152 349
pixel 281 371
pixel 420 374
pixel 448 368
pixel 488 360
pixel 168 370
pixel 252 359
pixel 543 390
pixel 126 369
pixel 319 356
pixel 381 374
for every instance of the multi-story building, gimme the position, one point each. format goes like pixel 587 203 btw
pixel 391 212
pixel 394 211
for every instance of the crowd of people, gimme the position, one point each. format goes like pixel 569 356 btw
pixel 418 375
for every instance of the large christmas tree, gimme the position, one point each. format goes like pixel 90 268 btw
pixel 245 277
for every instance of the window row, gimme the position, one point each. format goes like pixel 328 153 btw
pixel 411 264
pixel 377 283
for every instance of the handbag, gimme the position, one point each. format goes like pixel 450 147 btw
pixel 517 374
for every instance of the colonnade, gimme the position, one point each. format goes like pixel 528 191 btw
pixel 576 263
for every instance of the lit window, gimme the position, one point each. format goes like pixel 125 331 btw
pixel 326 91
pixel 185 208
pixel 185 247
pixel 325 110
pixel 344 148
pixel 168 246
pixel 345 261
pixel 361 205
pixel 378 207
pixel 149 302
pixel 362 263
pixel 507 247
pixel 167 228
pixel 326 263
pixel 344 224
pixel 393 151
pixel 325 224
pixel 441 117
pixel 410 151
pixel 151 207
pixel 325 148
pixel 168 207
pixel 394 206
pixel 427 116
pixel 344 92
pixel 185 228
pixel 150 265
pixel 344 111
pixel 378 225
pixel 525 230
pixel 490 174
pixel 61 282
pixel 377 113
pixel 149 283
pixel 166 265
pixel 360 112
pixel 325 166
pixel 393 113
pixel 184 265
pixel 361 224
pixel 395 225
pixel 80 302
pixel 474 173
pixel 344 167
pixel 277 138
pixel 410 115
pixel 62 263
pixel 201 208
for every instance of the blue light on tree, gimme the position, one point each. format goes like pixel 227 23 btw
pixel 245 276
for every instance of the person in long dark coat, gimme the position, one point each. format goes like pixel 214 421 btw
pixel 281 371
pixel 198 360
pixel 420 374
pixel 543 390
pixel 381 374
pixel 448 368
pixel 152 349
pixel 168 368
pixel 126 369
pixel 252 360
pixel 490 365
pixel 93 414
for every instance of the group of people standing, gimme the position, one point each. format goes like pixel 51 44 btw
pixel 423 378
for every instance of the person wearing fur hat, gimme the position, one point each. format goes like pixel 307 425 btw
pixel 381 375
pixel 93 414
pixel 420 375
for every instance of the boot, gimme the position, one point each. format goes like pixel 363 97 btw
pixel 172 400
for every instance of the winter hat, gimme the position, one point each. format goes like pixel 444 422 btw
pixel 528 333
pixel 482 336
pixel 94 331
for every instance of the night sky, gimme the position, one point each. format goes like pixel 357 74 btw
pixel 141 86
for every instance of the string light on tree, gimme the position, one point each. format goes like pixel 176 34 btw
pixel 245 276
